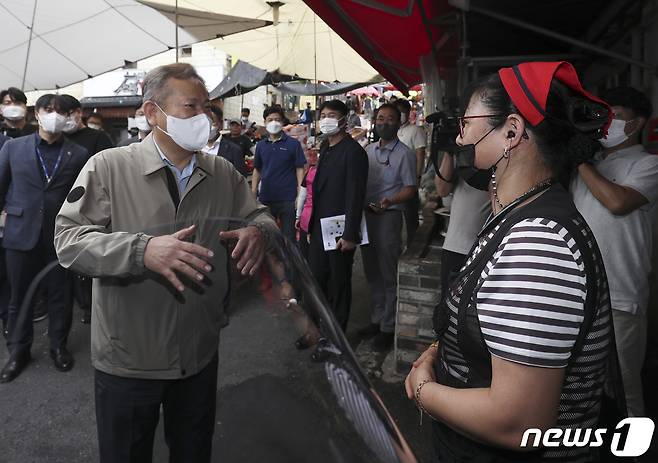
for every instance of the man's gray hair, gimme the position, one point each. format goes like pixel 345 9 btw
pixel 155 82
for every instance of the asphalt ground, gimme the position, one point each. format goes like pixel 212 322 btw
pixel 48 416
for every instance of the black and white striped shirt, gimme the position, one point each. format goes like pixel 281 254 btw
pixel 530 304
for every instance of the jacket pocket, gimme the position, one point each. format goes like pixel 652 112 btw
pixel 14 210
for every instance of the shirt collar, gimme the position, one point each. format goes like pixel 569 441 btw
pixel 283 138
pixel 189 167
pixel 42 142
pixel 637 148
pixel 390 146
pixel 214 149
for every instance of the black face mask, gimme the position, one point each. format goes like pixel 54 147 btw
pixel 465 156
pixel 387 131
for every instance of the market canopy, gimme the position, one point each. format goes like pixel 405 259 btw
pixel 319 89
pixel 51 44
pixel 297 43
pixel 243 78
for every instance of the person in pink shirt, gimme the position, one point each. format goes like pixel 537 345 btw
pixel 305 202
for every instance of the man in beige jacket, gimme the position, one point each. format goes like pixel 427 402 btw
pixel 136 221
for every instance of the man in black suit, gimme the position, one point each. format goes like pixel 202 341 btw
pixel 339 188
pixel 4 282
pixel 94 141
pixel 36 173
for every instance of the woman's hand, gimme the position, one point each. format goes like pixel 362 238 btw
pixel 423 369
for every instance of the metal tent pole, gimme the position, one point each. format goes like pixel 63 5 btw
pixel 29 44
pixel 176 22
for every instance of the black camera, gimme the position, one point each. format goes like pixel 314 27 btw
pixel 444 132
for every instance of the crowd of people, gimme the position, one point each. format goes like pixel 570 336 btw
pixel 544 268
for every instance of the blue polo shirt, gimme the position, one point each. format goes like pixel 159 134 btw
pixel 277 163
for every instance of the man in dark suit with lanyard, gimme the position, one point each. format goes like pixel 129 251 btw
pixel 36 175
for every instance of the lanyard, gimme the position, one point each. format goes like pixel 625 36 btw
pixel 388 158
pixel 49 175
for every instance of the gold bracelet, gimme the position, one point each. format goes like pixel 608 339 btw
pixel 419 404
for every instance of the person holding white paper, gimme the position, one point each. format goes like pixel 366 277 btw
pixel 339 188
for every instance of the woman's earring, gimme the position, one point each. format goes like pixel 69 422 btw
pixel 506 153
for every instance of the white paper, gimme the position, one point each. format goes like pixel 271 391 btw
pixel 334 227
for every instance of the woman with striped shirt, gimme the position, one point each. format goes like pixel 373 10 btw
pixel 525 329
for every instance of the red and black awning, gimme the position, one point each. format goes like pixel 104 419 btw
pixel 392 35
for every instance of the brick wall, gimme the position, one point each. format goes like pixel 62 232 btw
pixel 418 294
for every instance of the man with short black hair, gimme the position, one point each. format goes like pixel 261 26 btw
pixel 391 183
pixel 339 188
pixel 617 195
pixel 13 105
pixel 94 140
pixel 36 174
pixel 244 118
pixel 278 171
pixel 95 121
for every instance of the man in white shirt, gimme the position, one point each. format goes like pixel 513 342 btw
pixel 415 138
pixel 617 195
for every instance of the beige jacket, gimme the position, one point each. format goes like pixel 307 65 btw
pixel 141 327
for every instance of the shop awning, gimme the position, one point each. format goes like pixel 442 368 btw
pixel 243 78
pixel 392 35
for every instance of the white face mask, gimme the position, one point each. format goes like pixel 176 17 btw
pixel 273 127
pixel 52 122
pixel 616 134
pixel 71 125
pixel 330 126
pixel 142 124
pixel 13 112
pixel 95 126
pixel 403 118
pixel 191 134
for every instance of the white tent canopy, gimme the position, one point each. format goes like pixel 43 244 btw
pixel 289 46
pixel 66 41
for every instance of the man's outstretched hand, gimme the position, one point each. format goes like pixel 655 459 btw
pixel 249 249
pixel 170 254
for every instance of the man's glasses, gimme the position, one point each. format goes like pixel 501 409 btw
pixel 461 121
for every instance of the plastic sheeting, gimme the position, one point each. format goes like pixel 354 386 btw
pixel 243 78
pixel 72 40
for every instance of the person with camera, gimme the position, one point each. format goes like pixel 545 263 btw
pixel 526 325
pixel 617 193
pixel 469 209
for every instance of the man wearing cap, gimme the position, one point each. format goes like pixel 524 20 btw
pixel 236 137
pixel 617 193
pixel 218 145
